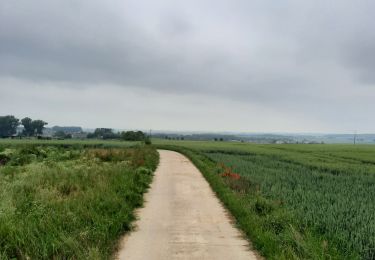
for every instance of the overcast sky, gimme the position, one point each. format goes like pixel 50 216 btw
pixel 211 65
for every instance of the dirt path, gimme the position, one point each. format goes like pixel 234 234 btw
pixel 182 219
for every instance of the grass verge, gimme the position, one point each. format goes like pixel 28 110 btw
pixel 60 202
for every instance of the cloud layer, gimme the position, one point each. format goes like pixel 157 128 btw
pixel 195 65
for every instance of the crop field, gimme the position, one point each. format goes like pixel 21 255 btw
pixel 294 201
pixel 69 199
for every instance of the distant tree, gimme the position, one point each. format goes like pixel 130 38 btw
pixel 59 134
pixel 221 139
pixel 104 133
pixel 32 127
pixel 62 134
pixel 90 135
pixel 215 139
pixel 38 126
pixel 8 125
pixel 133 136
pixel 28 128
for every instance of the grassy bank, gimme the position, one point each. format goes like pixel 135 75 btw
pixel 294 202
pixel 69 201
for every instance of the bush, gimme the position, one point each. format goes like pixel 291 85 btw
pixel 133 136
pixel 143 170
pixel 4 159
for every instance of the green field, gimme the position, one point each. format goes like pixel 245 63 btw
pixel 294 201
pixel 69 199
pixel 74 199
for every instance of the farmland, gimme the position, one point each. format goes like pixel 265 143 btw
pixel 74 199
pixel 294 201
pixel 69 199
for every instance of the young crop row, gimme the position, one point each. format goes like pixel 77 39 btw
pixel 294 201
pixel 339 207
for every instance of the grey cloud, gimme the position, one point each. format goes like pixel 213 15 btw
pixel 285 54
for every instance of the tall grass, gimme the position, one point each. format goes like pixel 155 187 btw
pixel 70 203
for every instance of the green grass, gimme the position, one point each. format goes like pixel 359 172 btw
pixel 69 200
pixel 295 201
pixel 71 142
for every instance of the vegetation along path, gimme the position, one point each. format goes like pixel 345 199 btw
pixel 182 218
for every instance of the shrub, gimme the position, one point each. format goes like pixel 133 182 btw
pixel 4 159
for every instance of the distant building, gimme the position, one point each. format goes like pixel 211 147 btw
pixel 81 135
pixel 68 129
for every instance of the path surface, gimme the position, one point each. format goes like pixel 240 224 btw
pixel 182 219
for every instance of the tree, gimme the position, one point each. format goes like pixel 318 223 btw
pixel 90 135
pixel 32 127
pixel 8 125
pixel 38 126
pixel 103 133
pixel 133 136
pixel 62 135
pixel 28 128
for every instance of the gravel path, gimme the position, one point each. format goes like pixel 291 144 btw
pixel 182 219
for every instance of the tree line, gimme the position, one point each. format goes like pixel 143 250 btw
pixel 9 124
pixel 108 133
